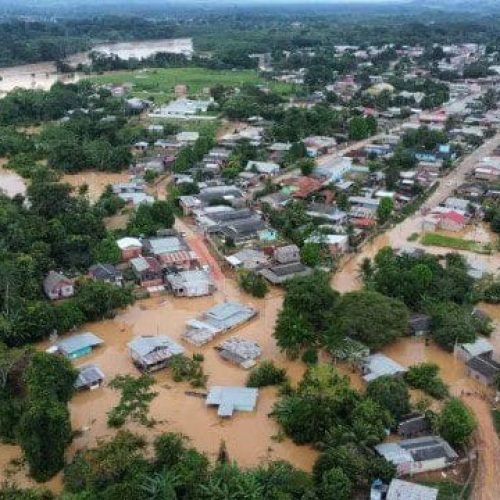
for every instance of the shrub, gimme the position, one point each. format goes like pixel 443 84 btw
pixel 310 357
pixel 186 369
pixel 253 283
pixel 266 374
pixel 425 377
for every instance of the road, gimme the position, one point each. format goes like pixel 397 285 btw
pixel 486 483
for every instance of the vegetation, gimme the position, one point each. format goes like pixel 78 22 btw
pixel 424 376
pixel 136 395
pixel 265 374
pixel 371 318
pixel 253 283
pixel 456 423
pixel 439 240
pixel 188 369
pixel 392 394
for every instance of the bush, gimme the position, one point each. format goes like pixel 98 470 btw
pixel 425 377
pixel 310 357
pixel 266 374
pixel 456 422
pixel 186 369
pixel 253 283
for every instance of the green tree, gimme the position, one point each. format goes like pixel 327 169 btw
pixel 335 484
pixel 384 210
pixel 452 324
pixel 253 283
pixel 391 393
pixel 383 319
pixel 148 219
pixel 311 254
pixel 43 433
pixel 456 422
pixel 425 376
pixel 107 251
pixel 306 166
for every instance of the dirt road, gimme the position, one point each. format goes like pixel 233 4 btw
pixel 487 481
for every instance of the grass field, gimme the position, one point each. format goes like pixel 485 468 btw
pixel 439 240
pixel 159 83
pixel 448 490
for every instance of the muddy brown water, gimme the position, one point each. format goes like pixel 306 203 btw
pixel 43 75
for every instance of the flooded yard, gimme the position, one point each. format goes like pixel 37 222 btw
pixel 96 181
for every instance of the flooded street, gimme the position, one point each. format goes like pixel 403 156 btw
pixel 43 75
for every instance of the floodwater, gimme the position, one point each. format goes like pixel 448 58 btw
pixel 43 75
pixel 11 183
pixel 248 437
pixel 96 181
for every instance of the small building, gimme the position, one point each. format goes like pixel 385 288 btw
pixel 240 351
pixel 90 377
pixel 419 324
pixel 263 168
pixel 216 320
pixel 281 273
pixel 248 258
pixel 130 247
pixel 404 490
pixel 231 399
pixel 194 283
pixel 336 243
pixel 287 254
pixel 378 365
pixel 171 251
pixel 152 353
pixel 147 271
pixel 423 454
pixel 484 369
pixel 56 286
pixel 470 350
pixel 413 426
pixel 107 273
pixel 76 346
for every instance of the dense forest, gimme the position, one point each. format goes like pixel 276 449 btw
pixel 244 31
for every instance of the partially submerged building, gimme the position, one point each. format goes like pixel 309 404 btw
pixel 194 283
pixel 421 454
pixel 216 320
pixel 231 399
pixel 469 350
pixel 378 365
pixel 281 273
pixel 76 346
pixel 483 368
pixel 90 377
pixel 152 353
pixel 240 351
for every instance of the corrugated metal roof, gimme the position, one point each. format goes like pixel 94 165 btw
pixel 229 399
pixel 78 342
pixel 404 490
pixel 88 375
pixel 145 345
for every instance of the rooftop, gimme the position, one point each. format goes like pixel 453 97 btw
pixel 404 490
pixel 88 375
pixel 77 342
pixel 229 399
pixel 377 365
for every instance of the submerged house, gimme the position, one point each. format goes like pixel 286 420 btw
pixel 240 351
pixel 378 365
pixel 90 377
pixel 76 346
pixel 216 320
pixel 57 286
pixel 413 426
pixel 419 324
pixel 421 454
pixel 231 399
pixel 150 353
pixel 195 283
pixel 483 368
pixel 467 351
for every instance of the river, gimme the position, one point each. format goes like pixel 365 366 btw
pixel 43 75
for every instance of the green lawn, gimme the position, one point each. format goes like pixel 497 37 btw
pixel 438 240
pixel 159 83
pixel 448 490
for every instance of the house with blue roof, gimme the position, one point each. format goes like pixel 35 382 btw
pixel 76 346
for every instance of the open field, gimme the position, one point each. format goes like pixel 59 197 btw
pixel 159 83
pixel 439 240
